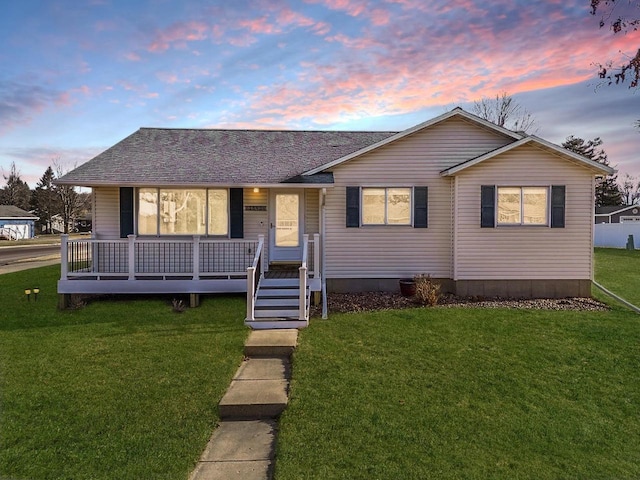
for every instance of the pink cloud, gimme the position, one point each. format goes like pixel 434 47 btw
pixel 379 17
pixel 178 35
pixel 132 57
pixel 409 64
pixel 259 25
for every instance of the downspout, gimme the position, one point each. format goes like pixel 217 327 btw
pixel 323 277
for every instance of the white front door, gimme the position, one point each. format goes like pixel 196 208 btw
pixel 285 225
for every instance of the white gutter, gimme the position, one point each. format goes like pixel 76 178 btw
pixel 323 276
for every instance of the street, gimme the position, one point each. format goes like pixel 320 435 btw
pixel 9 255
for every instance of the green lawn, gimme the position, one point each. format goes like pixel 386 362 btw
pixel 619 271
pixel 118 389
pixel 129 389
pixel 450 393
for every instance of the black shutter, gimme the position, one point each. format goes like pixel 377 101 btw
pixel 488 206
pixel 557 206
pixel 236 212
pixel 420 207
pixel 353 207
pixel 126 211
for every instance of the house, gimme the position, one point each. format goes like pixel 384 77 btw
pixel 16 223
pixel 618 214
pixel 484 210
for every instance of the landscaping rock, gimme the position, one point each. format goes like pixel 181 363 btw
pixel 371 301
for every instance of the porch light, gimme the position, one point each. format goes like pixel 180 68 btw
pixel 256 190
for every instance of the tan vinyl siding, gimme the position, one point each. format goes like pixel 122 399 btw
pixel 311 212
pixel 106 213
pixel 416 160
pixel 257 222
pixel 524 252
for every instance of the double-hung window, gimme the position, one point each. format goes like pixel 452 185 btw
pixel 523 206
pixel 386 206
pixel 173 211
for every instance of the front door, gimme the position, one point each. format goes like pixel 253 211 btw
pixel 285 222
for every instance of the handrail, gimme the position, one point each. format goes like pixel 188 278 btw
pixel 253 281
pixel 302 300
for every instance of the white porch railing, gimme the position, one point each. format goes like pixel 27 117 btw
pixel 303 310
pixel 253 280
pixel 135 258
pixel 313 255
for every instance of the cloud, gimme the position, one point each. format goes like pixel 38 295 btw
pixel 236 27
pixel 19 102
pixel 178 35
pixel 413 61
pixel 33 161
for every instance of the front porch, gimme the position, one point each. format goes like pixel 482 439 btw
pixel 193 266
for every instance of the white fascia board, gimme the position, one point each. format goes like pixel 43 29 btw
pixel 591 164
pixel 493 153
pixel 201 185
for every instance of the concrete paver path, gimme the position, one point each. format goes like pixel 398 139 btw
pixel 242 447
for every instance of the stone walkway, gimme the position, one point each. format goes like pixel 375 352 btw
pixel 243 445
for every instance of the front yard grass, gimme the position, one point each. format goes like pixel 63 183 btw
pixel 449 393
pixel 118 389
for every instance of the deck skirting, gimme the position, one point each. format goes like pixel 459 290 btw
pixel 92 287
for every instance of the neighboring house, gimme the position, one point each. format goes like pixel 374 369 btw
pixel 16 223
pixel 484 210
pixel 618 214
pixel 57 224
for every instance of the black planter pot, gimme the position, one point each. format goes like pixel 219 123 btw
pixel 407 287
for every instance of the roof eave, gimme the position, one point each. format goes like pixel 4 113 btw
pixel 596 167
pixel 93 184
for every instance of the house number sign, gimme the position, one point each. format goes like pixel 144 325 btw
pixel 255 208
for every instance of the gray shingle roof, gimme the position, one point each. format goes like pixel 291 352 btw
pixel 11 211
pixel 161 156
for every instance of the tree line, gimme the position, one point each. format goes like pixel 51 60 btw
pixel 505 112
pixel 47 199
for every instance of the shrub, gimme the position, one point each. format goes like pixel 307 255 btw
pixel 427 291
pixel 178 305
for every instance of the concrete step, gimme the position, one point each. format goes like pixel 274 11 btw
pixel 254 399
pixel 276 343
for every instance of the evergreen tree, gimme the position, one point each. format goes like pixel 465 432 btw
pixel 45 200
pixel 16 192
pixel 607 189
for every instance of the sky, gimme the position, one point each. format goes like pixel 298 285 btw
pixel 78 76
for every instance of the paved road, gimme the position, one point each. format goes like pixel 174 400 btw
pixel 9 255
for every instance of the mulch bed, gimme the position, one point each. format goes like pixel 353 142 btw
pixel 371 301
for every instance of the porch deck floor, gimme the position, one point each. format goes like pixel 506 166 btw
pixel 282 273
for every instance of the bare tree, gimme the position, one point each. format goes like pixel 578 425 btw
pixel 504 111
pixel 71 201
pixel 621 19
pixel 630 189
